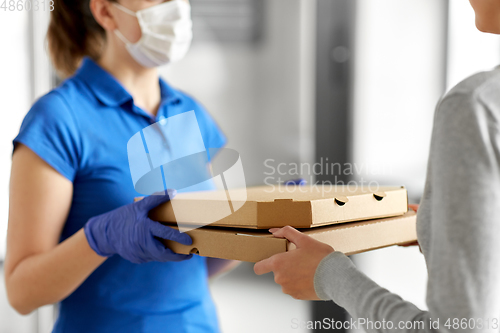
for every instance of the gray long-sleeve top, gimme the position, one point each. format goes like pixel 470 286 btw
pixel 458 225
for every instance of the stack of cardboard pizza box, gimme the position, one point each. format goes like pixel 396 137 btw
pixel 235 223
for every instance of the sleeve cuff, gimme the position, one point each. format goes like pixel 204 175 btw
pixel 331 271
pixel 49 156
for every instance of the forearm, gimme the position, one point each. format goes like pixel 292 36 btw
pixel 218 266
pixel 339 280
pixel 49 277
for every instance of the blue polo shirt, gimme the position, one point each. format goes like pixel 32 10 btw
pixel 81 129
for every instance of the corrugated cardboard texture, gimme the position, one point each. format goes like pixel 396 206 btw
pixel 298 206
pixel 255 245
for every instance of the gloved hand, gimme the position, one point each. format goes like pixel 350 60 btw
pixel 128 232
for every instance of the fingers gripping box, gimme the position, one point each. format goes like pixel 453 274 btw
pixel 256 245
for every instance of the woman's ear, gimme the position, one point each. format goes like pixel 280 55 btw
pixel 101 9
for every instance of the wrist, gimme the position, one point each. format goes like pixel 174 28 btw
pixel 92 232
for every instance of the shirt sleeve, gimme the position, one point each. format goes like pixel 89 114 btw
pixel 49 130
pixel 462 255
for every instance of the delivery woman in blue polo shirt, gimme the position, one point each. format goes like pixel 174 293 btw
pixel 75 236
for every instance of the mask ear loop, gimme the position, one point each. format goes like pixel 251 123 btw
pixel 124 9
pixel 122 38
pixel 127 11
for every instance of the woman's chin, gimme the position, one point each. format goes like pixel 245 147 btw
pixel 487 27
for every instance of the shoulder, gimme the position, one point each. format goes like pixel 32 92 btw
pixel 60 102
pixel 479 82
pixel 475 98
pixel 54 109
pixel 60 96
pixel 51 106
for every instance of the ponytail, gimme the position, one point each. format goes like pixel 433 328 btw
pixel 72 34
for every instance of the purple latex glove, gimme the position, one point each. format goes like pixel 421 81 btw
pixel 300 182
pixel 128 232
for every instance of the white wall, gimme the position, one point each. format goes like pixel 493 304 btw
pixel 15 101
pixel 399 78
pixel 15 92
pixel 24 76
pixel 398 81
pixel 470 50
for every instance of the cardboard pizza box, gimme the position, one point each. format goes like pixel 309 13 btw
pixel 266 207
pixel 256 245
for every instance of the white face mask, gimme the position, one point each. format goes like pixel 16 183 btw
pixel 166 33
